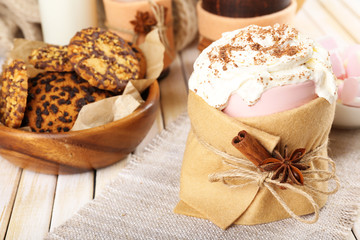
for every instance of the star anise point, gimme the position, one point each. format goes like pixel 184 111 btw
pixel 286 165
pixel 143 22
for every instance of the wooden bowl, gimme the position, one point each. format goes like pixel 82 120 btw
pixel 78 151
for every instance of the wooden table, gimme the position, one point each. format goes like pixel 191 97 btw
pixel 31 204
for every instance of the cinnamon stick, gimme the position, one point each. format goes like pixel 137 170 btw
pixel 250 148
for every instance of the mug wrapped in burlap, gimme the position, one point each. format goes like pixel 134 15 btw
pixel 129 19
pixel 218 183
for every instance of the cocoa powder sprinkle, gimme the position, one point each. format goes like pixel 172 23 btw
pixel 281 36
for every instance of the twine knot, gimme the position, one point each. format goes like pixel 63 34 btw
pixel 262 178
pixel 248 173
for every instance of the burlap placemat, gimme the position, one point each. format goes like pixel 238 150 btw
pixel 139 203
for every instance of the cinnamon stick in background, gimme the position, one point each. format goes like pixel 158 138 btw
pixel 250 148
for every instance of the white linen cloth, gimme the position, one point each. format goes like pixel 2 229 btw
pixel 139 203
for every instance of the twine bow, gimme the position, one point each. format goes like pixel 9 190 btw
pixel 243 169
pixel 159 14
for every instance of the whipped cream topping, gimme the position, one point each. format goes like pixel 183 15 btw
pixel 254 59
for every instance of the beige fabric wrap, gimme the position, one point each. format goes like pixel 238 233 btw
pixel 307 127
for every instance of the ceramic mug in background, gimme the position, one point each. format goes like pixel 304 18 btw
pixel 61 19
pixel 120 14
pixel 211 25
pixel 244 8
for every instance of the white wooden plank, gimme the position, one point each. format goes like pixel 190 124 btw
pixel 72 192
pixel 31 214
pixel 305 25
pixel 353 5
pixel 9 181
pixel 157 127
pixel 188 57
pixel 173 93
pixel 105 175
pixel 326 22
pixel 343 16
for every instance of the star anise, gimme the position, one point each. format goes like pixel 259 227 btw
pixel 143 22
pixel 287 165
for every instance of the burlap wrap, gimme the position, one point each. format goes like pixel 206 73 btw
pixel 307 127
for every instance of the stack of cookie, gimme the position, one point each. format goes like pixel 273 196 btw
pixel 96 64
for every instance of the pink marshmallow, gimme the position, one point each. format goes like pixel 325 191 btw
pixel 274 100
pixel 337 65
pixel 349 91
pixel 328 42
pixel 353 65
pixel 349 50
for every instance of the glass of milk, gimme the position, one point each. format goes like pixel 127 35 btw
pixel 61 19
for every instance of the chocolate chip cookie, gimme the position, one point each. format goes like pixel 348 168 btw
pixel 14 91
pixel 141 58
pixel 51 58
pixel 103 58
pixel 55 100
